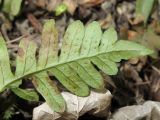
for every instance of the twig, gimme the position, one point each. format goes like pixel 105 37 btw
pixel 16 40
pixel 156 69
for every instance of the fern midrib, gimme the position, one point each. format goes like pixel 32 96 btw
pixel 57 64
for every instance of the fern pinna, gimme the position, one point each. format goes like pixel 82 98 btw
pixel 82 49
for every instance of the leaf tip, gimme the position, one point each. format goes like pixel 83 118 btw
pixel 147 51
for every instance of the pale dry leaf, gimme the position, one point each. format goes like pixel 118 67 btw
pixel 40 3
pixel 71 5
pixel 96 103
pixel 50 5
pixel 149 110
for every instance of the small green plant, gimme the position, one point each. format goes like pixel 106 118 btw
pixel 8 113
pixel 60 9
pixel 83 48
pixel 143 9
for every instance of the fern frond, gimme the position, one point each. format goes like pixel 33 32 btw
pixel 83 47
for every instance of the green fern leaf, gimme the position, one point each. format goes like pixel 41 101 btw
pixel 12 7
pixel 83 48
pixel 29 95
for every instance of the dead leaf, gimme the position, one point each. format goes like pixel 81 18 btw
pixel 96 103
pixel 131 34
pixel 149 111
pixel 155 84
pixel 40 3
pixel 89 3
pixel 107 22
pixel 131 72
pixel 50 5
pixel 34 22
pixel 72 5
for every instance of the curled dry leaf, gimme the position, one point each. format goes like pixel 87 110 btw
pixel 149 110
pixel 96 104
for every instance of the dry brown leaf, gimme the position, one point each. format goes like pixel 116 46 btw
pixel 89 3
pixel 131 34
pixel 34 22
pixel 96 103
